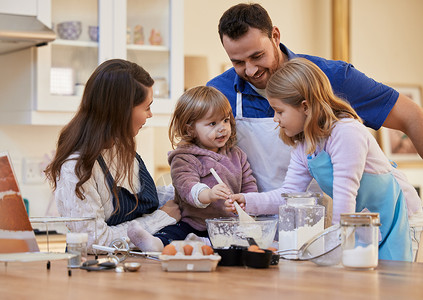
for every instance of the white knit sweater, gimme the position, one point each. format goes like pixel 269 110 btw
pixel 98 203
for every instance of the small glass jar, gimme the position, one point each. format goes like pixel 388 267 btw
pixel 299 220
pixel 360 235
pixel 76 243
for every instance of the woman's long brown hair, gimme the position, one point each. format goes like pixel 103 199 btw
pixel 103 120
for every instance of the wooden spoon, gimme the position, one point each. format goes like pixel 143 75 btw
pixel 243 216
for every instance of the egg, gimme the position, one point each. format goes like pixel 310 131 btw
pixel 255 248
pixel 272 249
pixel 207 250
pixel 169 250
pixel 188 249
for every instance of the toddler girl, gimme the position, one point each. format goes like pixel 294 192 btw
pixel 203 130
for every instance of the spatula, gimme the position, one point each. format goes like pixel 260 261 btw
pixel 243 216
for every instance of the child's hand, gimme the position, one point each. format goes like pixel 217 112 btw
pixel 229 204
pixel 219 191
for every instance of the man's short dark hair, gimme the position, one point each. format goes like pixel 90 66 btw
pixel 237 20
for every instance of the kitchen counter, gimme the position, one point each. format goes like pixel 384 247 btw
pixel 289 279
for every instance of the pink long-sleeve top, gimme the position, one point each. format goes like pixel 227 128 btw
pixel 353 151
pixel 190 167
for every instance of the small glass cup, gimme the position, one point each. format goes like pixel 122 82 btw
pixel 360 235
pixel 76 243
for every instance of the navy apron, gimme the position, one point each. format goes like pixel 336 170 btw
pixel 379 193
pixel 148 200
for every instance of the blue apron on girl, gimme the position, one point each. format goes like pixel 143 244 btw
pixel 148 200
pixel 378 193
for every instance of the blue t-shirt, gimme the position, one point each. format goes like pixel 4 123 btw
pixel 372 100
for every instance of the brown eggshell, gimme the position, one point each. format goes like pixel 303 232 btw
pixel 207 250
pixel 188 249
pixel 255 248
pixel 272 249
pixel 169 250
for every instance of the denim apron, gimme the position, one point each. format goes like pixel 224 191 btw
pixel 378 193
pixel 148 200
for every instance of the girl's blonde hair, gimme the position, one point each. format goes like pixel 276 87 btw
pixel 299 79
pixel 194 105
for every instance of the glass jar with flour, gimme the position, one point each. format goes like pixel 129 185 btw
pixel 360 239
pixel 300 219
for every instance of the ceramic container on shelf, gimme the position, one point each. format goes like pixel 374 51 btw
pixel 70 30
pixel 93 33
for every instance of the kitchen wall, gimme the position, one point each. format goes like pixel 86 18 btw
pixel 386 43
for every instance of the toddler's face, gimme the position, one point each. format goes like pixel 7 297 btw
pixel 291 119
pixel 213 131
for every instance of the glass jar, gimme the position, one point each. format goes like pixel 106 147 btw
pixel 360 235
pixel 76 243
pixel 299 220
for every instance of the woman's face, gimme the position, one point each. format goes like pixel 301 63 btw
pixel 291 119
pixel 142 112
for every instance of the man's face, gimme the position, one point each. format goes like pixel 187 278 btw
pixel 254 56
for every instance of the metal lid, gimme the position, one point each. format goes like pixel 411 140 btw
pixel 360 219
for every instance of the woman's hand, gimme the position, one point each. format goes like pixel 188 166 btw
pixel 229 204
pixel 172 209
pixel 219 191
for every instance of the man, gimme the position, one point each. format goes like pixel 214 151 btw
pixel 253 45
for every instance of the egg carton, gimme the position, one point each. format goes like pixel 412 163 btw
pixel 196 262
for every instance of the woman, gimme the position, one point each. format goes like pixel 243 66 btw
pixel 96 171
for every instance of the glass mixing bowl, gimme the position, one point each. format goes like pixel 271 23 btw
pixel 224 232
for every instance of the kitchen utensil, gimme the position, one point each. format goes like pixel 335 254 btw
pixel 224 232
pixel 231 256
pixel 119 248
pixel 322 249
pixel 243 216
pixel 275 257
pixel 131 266
pixel 257 259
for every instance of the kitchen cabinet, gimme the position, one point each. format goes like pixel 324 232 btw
pixel 54 75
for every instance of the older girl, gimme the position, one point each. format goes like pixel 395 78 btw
pixel 332 146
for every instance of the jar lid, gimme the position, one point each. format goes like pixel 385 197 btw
pixel 76 237
pixel 300 199
pixel 360 219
